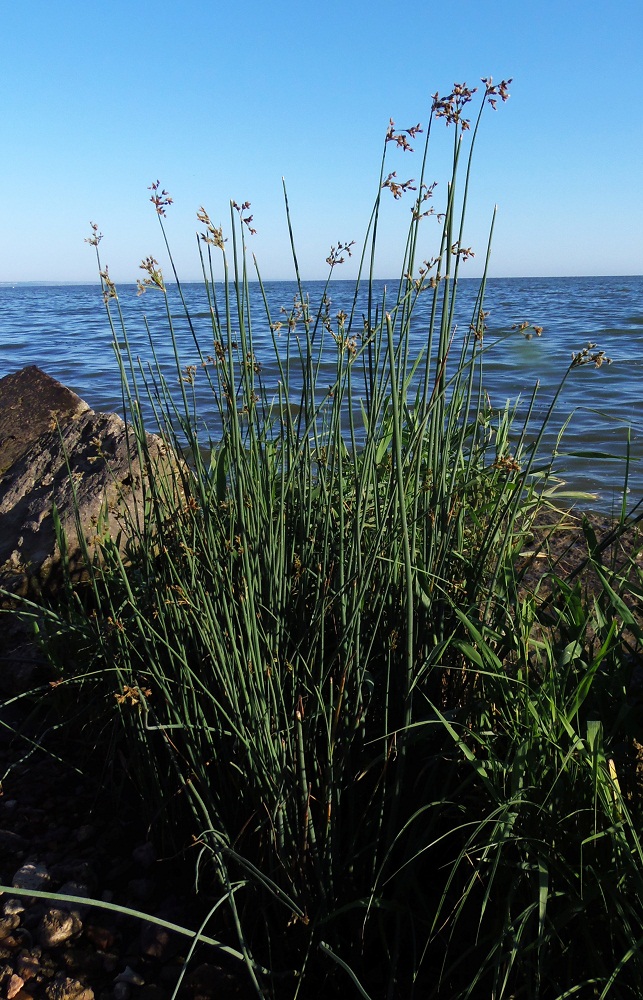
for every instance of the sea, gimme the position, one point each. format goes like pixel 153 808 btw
pixel 533 327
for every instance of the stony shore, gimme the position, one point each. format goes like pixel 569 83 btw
pixel 62 831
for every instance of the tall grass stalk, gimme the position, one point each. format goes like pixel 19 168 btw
pixel 323 667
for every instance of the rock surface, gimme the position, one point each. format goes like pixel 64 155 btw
pixel 32 403
pixel 55 450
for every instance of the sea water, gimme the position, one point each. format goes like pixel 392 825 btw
pixel 64 330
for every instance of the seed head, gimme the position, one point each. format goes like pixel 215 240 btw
pixel 335 256
pixel 399 138
pixel 155 279
pixel 214 234
pixel 246 220
pixel 493 92
pixel 589 356
pixel 109 288
pixel 159 200
pixel 463 252
pixel 451 107
pixel 398 188
pixel 95 237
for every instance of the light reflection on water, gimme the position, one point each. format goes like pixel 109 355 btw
pixel 64 330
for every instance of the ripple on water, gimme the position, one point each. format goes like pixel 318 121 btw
pixel 64 330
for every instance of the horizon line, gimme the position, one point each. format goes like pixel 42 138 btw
pixel 293 280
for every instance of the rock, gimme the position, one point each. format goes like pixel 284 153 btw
pixel 74 870
pixel 206 982
pixel 32 875
pixel 57 927
pixel 28 965
pixel 122 991
pixel 8 923
pixel 75 889
pixel 128 975
pixel 159 942
pixel 14 986
pixel 66 988
pixel 141 889
pixel 82 959
pixel 101 931
pixel 11 843
pixel 152 991
pixel 144 855
pixel 84 463
pixel 85 833
pixel 31 404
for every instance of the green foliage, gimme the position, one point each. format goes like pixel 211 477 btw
pixel 398 770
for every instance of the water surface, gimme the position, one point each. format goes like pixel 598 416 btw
pixel 64 330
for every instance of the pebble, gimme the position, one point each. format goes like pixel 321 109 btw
pixel 13 906
pixel 66 988
pixel 102 932
pixel 11 843
pixel 206 982
pixel 28 964
pixel 74 888
pixel 57 927
pixel 157 942
pixel 14 986
pixel 122 991
pixel 8 923
pixel 152 992
pixel 81 959
pixel 144 855
pixel 73 870
pixel 85 833
pixel 128 975
pixel 32 875
pixel 141 889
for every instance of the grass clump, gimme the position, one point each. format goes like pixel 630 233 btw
pixel 395 768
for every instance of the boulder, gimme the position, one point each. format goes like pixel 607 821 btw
pixel 57 453
pixel 32 403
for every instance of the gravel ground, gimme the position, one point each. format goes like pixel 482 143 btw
pixel 60 832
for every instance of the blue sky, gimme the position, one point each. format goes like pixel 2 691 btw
pixel 219 100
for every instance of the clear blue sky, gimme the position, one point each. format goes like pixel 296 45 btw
pixel 219 100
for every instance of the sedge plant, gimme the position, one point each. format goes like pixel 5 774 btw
pixel 326 679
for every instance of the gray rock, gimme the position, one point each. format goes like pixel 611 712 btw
pixel 121 991
pixel 128 975
pixel 32 875
pixel 84 463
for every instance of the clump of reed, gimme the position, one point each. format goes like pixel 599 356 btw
pixel 395 770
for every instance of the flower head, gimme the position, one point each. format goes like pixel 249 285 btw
pixel 159 200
